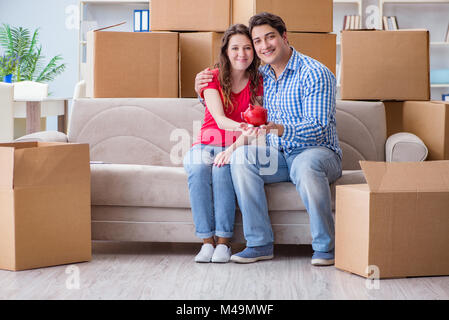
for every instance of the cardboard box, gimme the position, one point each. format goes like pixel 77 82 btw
pixel 429 120
pixel 198 50
pixel 320 46
pixel 192 15
pixel 385 65
pixel 298 15
pixel 132 64
pixel 397 224
pixel 44 204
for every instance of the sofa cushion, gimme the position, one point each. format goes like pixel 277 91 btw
pixel 146 131
pixel 166 187
pixel 405 146
pixel 139 185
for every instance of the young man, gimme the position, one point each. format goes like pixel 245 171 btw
pixel 301 135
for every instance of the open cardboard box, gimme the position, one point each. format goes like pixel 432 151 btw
pixel 44 204
pixel 398 222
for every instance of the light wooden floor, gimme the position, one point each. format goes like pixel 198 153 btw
pixel 167 271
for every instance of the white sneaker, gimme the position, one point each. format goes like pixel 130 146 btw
pixel 205 254
pixel 222 254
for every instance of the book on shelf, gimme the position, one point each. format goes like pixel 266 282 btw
pixel 445 97
pixel 351 22
pixel 395 23
pixel 390 23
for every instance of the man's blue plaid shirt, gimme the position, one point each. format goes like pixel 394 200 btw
pixel 302 99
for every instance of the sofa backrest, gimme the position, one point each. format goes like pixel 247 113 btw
pixel 160 131
pixel 362 132
pixel 136 131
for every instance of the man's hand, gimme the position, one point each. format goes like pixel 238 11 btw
pixel 274 128
pixel 202 79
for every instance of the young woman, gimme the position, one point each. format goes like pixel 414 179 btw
pixel 236 83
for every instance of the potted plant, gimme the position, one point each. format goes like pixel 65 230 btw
pixel 18 42
pixel 7 66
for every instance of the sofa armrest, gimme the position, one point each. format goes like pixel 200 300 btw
pixel 405 147
pixel 80 90
pixel 44 136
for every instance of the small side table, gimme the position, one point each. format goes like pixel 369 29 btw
pixel 45 107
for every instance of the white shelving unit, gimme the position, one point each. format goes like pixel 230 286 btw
pixel 383 2
pixel 433 44
pixel 106 3
pixel 357 3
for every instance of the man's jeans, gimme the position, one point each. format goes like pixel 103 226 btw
pixel 211 191
pixel 311 170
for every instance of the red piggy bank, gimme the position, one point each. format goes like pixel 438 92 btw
pixel 255 115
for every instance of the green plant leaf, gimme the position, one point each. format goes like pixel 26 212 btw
pixel 19 43
pixel 51 70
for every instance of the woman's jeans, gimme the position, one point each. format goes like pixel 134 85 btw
pixel 311 170
pixel 211 191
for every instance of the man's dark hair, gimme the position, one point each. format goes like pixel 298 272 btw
pixel 270 19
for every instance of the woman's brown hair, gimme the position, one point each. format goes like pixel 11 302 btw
pixel 224 65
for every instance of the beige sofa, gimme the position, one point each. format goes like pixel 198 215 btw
pixel 139 187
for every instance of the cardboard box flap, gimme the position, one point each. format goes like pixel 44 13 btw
pixel 50 164
pixel 430 176
pixel 109 27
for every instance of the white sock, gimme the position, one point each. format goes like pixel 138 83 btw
pixel 205 254
pixel 221 254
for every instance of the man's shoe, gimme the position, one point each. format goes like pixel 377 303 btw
pixel 253 254
pixel 323 258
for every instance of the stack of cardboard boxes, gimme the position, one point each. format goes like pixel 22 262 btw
pixel 186 38
pixel 396 224
pixel 393 66
pixel 309 24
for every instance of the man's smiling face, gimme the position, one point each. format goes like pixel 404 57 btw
pixel 270 46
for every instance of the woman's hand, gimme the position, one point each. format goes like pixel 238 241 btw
pixel 251 131
pixel 202 79
pixel 223 158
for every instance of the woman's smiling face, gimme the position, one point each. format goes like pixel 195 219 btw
pixel 240 52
